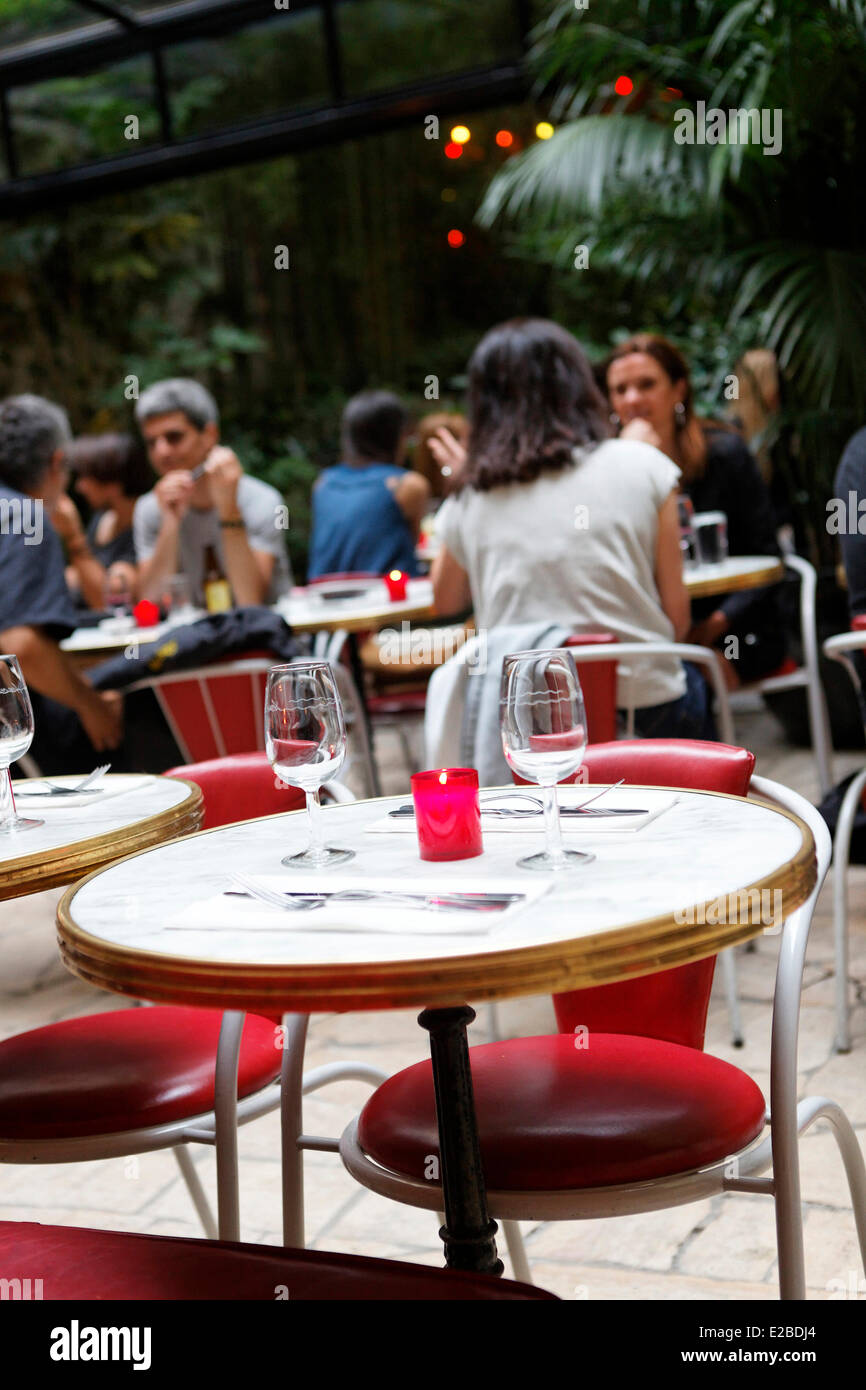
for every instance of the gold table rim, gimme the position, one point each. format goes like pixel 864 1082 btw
pixel 88 854
pixel 758 578
pixel 635 948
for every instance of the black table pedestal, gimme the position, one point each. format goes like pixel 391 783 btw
pixel 468 1233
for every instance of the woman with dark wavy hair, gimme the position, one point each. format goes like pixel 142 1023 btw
pixel 555 521
pixel 651 394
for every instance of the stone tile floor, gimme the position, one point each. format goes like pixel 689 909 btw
pixel 722 1248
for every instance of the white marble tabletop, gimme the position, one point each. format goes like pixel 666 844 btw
pixel 169 902
pixel 306 610
pixel 129 807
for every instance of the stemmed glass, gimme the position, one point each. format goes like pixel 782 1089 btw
pixel 16 736
pixel 543 726
pixel 305 738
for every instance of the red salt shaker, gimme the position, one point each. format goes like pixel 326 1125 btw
pixel 396 582
pixel 447 813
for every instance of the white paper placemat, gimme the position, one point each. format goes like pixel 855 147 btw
pixel 117 785
pixel 653 803
pixel 378 916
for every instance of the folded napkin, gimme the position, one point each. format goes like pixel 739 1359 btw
pixel 110 786
pixel 655 802
pixel 376 916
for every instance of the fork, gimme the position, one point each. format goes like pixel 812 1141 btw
pixel 537 801
pixel 82 786
pixel 458 902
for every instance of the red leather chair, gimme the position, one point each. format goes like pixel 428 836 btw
pixel 634 1122
pixel 59 1262
pixel 133 1080
pixel 215 710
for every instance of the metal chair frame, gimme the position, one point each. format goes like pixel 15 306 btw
pixel 742 1172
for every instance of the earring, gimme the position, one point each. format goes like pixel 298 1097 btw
pixel 614 419
pixel 680 413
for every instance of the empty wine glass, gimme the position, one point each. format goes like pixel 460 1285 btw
pixel 16 736
pixel 305 738
pixel 543 726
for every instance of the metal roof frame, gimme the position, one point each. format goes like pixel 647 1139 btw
pixel 119 34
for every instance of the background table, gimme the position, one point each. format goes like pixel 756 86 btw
pixel 737 572
pixel 305 610
pixel 78 839
pixel 615 918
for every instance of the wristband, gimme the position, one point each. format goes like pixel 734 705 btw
pixel 237 525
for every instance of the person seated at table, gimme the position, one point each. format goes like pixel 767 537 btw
pixel 111 472
pixel 442 477
pixel 367 510
pixel 555 521
pixel 238 517
pixel 650 393
pixel 72 721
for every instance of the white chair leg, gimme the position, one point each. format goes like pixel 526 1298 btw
pixel 855 1167
pixel 729 969
pixel 291 1124
pixel 841 851
pixel 517 1251
pixel 226 1113
pixel 196 1191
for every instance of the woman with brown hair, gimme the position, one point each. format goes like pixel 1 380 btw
pixel 554 521
pixel 650 394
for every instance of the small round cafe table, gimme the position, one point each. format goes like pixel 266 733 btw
pixel 161 925
pixel 305 610
pixel 737 572
pixel 129 813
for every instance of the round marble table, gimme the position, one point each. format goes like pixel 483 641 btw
pixel 137 812
pixel 158 925
pixel 737 572
pixel 305 611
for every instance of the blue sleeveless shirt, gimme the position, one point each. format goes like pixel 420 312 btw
pixel 357 524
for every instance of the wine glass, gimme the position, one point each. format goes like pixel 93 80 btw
pixel 305 738
pixel 16 736
pixel 543 725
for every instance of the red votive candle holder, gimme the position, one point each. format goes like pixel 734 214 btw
pixel 447 813
pixel 145 613
pixel 396 582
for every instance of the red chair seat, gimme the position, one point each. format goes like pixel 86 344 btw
pixel 553 1116
pixel 84 1264
pixel 239 787
pixel 405 702
pixel 128 1069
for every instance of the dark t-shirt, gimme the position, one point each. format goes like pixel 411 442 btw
pixel 122 548
pixel 851 477
pixel 732 483
pixel 33 590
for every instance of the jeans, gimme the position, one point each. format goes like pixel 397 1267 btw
pixel 690 716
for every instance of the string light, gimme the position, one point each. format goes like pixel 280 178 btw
pixel 455 237
pixel 623 86
pixel 504 139
pixel 461 134
pixel 544 130
pixel 452 150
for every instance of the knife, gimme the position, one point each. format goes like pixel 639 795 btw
pixel 403 811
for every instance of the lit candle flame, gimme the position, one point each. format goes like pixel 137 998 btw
pixel 443 778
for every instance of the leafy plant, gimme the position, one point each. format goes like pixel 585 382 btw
pixel 721 233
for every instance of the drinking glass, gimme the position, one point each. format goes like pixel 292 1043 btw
pixel 305 738
pixel 16 736
pixel 543 725
pixel 177 599
pixel 117 595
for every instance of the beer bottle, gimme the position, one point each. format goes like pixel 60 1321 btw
pixel 217 591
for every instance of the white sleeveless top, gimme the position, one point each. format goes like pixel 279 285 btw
pixel 578 548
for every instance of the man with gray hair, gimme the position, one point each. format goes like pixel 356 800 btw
pixel 204 499
pixel 36 609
